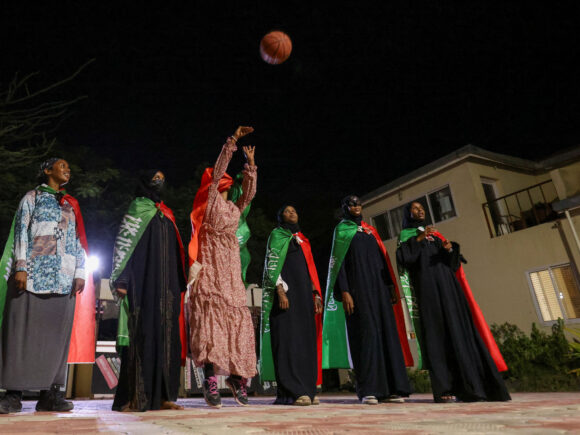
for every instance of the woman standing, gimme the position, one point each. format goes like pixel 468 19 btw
pixel 222 333
pixel 361 277
pixel 46 255
pixel 291 315
pixel 149 275
pixel 451 346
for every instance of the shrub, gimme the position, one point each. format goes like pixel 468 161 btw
pixel 540 362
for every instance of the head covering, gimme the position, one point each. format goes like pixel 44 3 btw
pixel 347 201
pixel 293 228
pixel 408 220
pixel 200 205
pixel 149 188
pixel 47 164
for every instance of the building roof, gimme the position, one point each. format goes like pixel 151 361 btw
pixel 472 153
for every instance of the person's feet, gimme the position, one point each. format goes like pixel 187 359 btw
pixel 171 405
pixel 303 401
pixel 369 400
pixel 445 399
pixel 393 398
pixel 11 402
pixel 316 400
pixel 211 393
pixel 238 389
pixel 53 401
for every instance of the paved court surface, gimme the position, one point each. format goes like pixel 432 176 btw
pixel 529 413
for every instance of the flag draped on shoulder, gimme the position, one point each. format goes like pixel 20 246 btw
pixel 277 250
pixel 82 344
pixel 476 314
pixel 138 217
pixel 243 232
pixel 335 352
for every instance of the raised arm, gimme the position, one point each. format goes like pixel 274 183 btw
pixel 226 155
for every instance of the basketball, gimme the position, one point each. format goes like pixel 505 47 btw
pixel 275 47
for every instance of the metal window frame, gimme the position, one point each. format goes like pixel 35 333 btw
pixel 555 284
pixel 426 196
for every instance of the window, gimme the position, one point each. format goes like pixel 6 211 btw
pixel 556 293
pixel 442 204
pixel 438 207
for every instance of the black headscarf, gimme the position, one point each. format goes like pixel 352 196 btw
pixel 408 220
pixel 347 201
pixel 293 228
pixel 147 187
pixel 47 164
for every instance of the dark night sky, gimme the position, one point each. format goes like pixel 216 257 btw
pixel 371 91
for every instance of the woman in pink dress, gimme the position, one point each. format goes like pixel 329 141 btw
pixel 222 333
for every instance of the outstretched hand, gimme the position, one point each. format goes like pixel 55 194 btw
pixel 249 152
pixel 242 131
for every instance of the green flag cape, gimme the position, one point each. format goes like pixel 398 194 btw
pixel 5 268
pixel 134 223
pixel 335 352
pixel 243 233
pixel 409 294
pixel 278 243
pixel 277 249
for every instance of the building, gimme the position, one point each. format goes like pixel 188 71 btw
pixel 517 222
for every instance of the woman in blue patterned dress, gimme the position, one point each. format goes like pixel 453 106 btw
pixel 47 271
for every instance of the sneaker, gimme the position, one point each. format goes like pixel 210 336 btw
pixel 303 401
pixel 53 401
pixel 369 400
pixel 238 389
pixel 211 393
pixel 11 402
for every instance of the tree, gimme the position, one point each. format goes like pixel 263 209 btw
pixel 28 124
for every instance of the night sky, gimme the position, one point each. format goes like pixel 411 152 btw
pixel 371 91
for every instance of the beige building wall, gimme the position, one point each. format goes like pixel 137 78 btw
pixel 497 267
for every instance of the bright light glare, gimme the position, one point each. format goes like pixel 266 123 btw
pixel 93 263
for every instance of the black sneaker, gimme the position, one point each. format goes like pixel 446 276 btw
pixel 11 402
pixel 53 401
pixel 211 393
pixel 238 389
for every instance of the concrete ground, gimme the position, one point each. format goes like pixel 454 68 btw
pixel 529 413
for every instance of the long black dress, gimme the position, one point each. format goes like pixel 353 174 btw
pixel 150 366
pixel 458 361
pixel 373 339
pixel 293 332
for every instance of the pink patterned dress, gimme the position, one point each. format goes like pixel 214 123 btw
pixel 222 332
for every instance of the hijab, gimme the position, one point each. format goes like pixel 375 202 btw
pixel 293 228
pixel 149 188
pixel 408 220
pixel 347 201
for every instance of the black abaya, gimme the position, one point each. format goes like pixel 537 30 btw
pixel 459 363
pixel 373 339
pixel 150 366
pixel 293 332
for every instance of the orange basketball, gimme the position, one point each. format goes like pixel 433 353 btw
pixel 275 47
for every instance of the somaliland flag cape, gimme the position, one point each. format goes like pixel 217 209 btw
pixel 82 341
pixel 335 351
pixel 278 243
pixel 476 314
pixel 133 225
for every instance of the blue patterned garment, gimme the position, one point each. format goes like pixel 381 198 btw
pixel 46 245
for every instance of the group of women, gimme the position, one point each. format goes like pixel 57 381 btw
pixel 172 308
